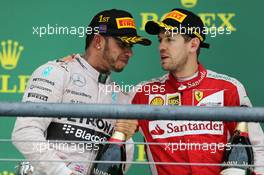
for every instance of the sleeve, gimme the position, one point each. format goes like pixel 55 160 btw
pixel 45 85
pixel 255 131
pixel 129 153
pixel 126 98
pixel 136 100
pixel 256 137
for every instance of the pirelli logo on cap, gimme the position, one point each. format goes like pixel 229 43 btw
pixel 126 22
pixel 176 15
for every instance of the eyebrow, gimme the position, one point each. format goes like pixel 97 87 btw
pixel 165 36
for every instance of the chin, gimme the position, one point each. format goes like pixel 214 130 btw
pixel 119 69
pixel 165 67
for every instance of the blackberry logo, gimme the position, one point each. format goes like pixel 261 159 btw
pixel 68 129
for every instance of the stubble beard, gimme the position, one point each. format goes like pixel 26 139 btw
pixel 110 60
pixel 176 66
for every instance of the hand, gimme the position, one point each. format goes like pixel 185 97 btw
pixel 128 127
pixel 73 166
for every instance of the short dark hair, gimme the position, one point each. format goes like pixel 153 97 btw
pixel 187 38
pixel 89 39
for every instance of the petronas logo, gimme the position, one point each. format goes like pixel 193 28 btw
pixel 6 173
pixel 9 54
pixel 189 3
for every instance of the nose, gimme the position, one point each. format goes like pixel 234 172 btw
pixel 128 52
pixel 161 46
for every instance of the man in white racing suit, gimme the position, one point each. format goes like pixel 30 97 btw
pixel 79 79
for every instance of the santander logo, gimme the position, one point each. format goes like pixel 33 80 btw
pixel 157 131
pixel 167 128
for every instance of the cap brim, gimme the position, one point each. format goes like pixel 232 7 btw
pixel 135 40
pixel 152 28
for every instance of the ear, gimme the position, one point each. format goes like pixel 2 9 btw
pixel 194 44
pixel 98 41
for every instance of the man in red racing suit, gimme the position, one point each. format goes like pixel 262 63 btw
pixel 181 139
pixel 189 83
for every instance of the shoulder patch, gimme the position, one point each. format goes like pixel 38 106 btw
pixel 243 98
pixel 63 62
pixel 66 59
pixel 214 75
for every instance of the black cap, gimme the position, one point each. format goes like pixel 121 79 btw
pixel 120 24
pixel 179 19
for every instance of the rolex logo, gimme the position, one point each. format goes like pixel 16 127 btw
pixel 10 53
pixel 7 173
pixel 188 3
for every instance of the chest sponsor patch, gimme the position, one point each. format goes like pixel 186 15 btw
pixel 78 80
pixel 157 99
pixel 165 128
pixel 167 99
pixel 63 131
pixel 173 99
pixel 38 96
pixel 44 81
pixel 208 97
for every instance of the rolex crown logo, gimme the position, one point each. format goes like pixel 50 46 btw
pixel 7 173
pixel 188 3
pixel 10 54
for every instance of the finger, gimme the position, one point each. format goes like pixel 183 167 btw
pixel 129 125
pixel 128 132
pixel 131 128
pixel 127 121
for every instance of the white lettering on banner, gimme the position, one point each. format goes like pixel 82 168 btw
pixel 166 128
pixel 211 20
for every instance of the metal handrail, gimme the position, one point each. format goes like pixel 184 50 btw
pixel 122 111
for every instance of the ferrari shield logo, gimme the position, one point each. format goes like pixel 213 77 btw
pixel 198 95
